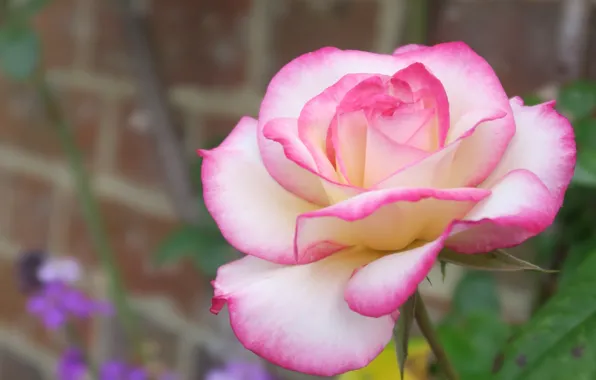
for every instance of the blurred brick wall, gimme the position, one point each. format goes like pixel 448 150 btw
pixel 217 57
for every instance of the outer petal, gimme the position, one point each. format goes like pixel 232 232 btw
pixel 408 48
pixel 245 201
pixel 543 144
pixel 384 220
pixel 285 159
pixel 296 316
pixel 384 285
pixel 519 207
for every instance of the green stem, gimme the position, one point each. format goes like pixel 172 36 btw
pixel 426 326
pixel 417 23
pixel 89 207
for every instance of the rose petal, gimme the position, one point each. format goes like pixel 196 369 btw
pixel 384 157
pixel 289 162
pixel 408 48
pixel 543 144
pixel 348 143
pixel 519 207
pixel 296 316
pixel 463 163
pixel 421 82
pixel 384 285
pixel 385 220
pixel 316 117
pixel 245 201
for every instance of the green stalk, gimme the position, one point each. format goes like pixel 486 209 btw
pixel 90 208
pixel 426 326
pixel 417 22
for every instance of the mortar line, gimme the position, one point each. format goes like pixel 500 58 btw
pixel 141 198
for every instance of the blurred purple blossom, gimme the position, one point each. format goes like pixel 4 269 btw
pixel 117 370
pixel 239 370
pixel 65 270
pixel 57 302
pixel 71 365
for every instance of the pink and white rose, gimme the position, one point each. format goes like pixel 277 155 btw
pixel 360 168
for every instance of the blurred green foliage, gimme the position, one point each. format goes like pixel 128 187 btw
pixel 474 332
pixel 20 45
pixel 204 245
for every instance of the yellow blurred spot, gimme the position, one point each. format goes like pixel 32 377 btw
pixel 385 367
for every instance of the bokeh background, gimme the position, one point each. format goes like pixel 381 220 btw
pixel 212 60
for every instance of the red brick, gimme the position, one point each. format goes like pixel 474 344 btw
pixel 202 43
pixel 521 50
pixel 56 26
pixel 592 48
pixel 31 208
pixel 24 125
pixel 111 53
pixel 303 26
pixel 135 237
pixel 137 156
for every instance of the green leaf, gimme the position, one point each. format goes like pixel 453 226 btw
pixel 472 342
pixel 577 99
pixel 559 341
pixel 476 291
pixel 532 100
pixel 577 254
pixel 497 260
pixel 22 10
pixel 585 171
pixel 401 332
pixel 20 49
pixel 443 269
pixel 205 246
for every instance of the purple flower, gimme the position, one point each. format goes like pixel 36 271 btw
pixel 240 371
pixel 117 370
pixel 57 302
pixel 71 365
pixel 61 269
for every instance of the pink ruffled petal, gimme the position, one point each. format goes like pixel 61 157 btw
pixel 465 162
pixel 371 219
pixel 347 143
pixel 245 201
pixel 543 144
pixel 519 207
pixel 384 157
pixel 405 122
pixel 316 118
pixel 288 162
pixel 296 316
pixel 384 285
pixel 430 90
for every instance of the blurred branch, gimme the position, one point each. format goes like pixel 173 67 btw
pixel 152 92
pixel 573 39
